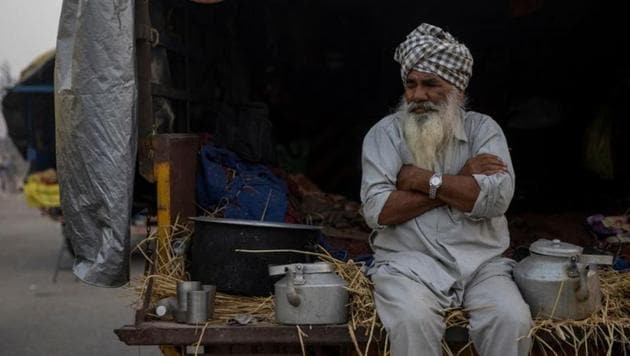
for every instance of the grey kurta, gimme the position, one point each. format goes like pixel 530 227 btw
pixel 444 251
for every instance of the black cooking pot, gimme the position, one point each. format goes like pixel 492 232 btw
pixel 215 261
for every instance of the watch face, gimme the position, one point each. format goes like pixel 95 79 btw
pixel 435 180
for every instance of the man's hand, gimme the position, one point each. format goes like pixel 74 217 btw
pixel 484 163
pixel 407 201
pixel 407 177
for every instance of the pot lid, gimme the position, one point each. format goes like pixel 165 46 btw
pixel 255 223
pixel 306 268
pixel 555 247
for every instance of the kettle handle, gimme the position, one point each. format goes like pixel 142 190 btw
pixel 279 270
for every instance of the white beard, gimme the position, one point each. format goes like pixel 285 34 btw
pixel 427 134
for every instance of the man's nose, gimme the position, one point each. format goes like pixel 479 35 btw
pixel 419 94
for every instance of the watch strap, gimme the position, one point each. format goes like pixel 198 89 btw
pixel 432 191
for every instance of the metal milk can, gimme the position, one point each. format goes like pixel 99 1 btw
pixel 309 293
pixel 558 281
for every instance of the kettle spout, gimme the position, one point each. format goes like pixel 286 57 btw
pixel 293 297
pixel 582 292
pixel 581 271
pixel 292 293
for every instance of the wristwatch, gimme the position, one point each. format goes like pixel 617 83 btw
pixel 435 182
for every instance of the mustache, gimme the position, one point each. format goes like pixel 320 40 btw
pixel 426 106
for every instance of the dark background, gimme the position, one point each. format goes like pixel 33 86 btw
pixel 551 73
pixel 320 73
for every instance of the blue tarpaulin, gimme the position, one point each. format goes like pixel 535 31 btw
pixel 242 189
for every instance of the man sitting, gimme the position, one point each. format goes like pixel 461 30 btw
pixel 437 181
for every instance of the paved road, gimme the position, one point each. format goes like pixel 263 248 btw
pixel 38 317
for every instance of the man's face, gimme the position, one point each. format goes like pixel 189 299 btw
pixel 422 87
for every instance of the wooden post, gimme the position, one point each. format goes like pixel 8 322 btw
pixel 175 168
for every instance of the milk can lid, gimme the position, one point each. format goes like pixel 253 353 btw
pixel 555 247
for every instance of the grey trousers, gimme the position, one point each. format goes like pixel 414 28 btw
pixel 413 314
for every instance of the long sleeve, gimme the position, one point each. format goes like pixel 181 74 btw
pixel 380 164
pixel 496 191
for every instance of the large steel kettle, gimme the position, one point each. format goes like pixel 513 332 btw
pixel 558 281
pixel 309 293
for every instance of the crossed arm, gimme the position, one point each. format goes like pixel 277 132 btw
pixel 410 199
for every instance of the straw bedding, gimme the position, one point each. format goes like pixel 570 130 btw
pixel 600 332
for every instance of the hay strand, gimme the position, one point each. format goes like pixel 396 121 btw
pixel 203 331
pixel 300 334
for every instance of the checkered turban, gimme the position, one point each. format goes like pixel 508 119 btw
pixel 430 49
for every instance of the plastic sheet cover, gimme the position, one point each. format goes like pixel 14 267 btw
pixel 95 95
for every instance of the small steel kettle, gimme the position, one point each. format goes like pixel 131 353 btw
pixel 309 293
pixel 558 281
